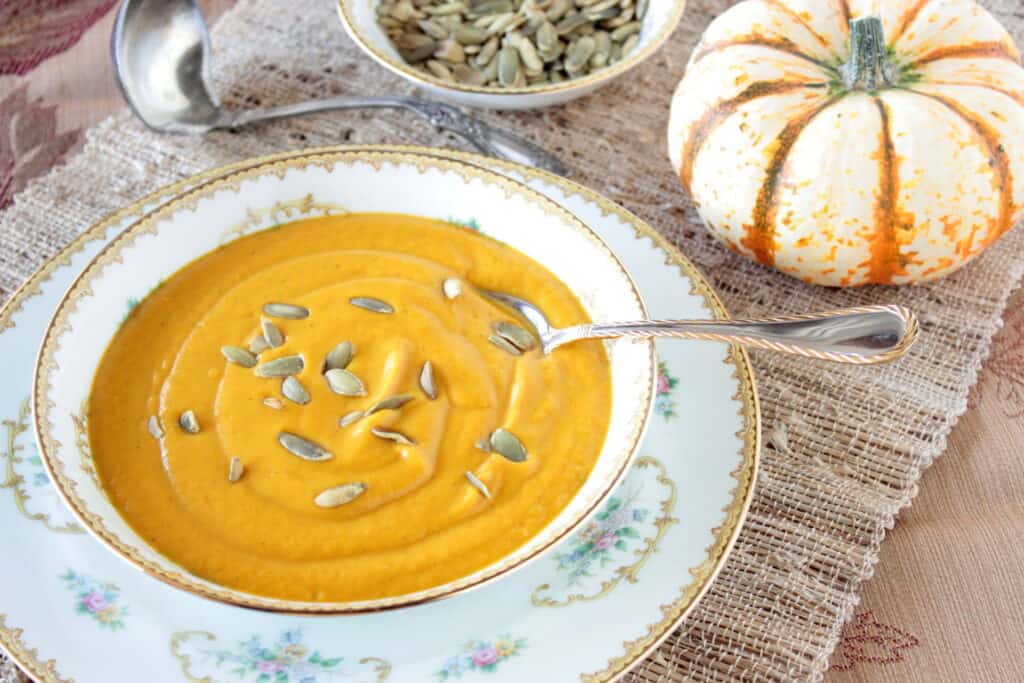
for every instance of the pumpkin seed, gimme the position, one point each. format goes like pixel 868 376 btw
pixel 630 43
pixel 432 29
pixel 478 485
pixel 470 35
pixel 391 435
pixel 304 448
pixel 641 8
pixel 272 402
pixel 281 367
pixel 155 430
pixel 451 288
pixel 238 356
pixel 508 65
pixel 370 304
pixel 558 9
pixel 287 311
pixel 343 382
pixel 528 53
pixel 340 356
pixel 491 71
pixel 427 380
pixel 570 23
pixel 441 71
pixel 505 444
pixel 483 444
pixel 293 390
pixel 340 495
pixel 389 403
pixel 620 20
pixel 416 55
pixel 625 31
pixel 271 334
pixel 504 344
pixel 506 23
pixel 579 54
pixel 517 336
pixel 464 73
pixel 258 345
pixel 487 52
pixel 349 418
pixel 235 470
pixel 451 52
pixel 547 36
pixel 188 422
pixel 602 49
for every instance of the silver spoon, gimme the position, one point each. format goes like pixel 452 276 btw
pixel 865 335
pixel 160 49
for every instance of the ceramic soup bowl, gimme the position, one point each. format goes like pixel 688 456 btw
pixel 319 183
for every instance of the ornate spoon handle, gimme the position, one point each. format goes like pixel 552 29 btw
pixel 869 334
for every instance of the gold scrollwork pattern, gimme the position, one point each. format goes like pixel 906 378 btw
pixel 630 571
pixel 16 482
pixel 280 212
pixel 289 652
pixel 80 423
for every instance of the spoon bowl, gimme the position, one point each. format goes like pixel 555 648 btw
pixel 161 49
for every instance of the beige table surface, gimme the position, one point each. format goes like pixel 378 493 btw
pixel 947 599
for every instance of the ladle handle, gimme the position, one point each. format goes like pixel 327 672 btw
pixel 486 138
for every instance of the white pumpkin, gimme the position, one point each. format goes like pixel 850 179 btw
pixel 895 160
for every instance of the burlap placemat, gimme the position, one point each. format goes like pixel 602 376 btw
pixel 845 446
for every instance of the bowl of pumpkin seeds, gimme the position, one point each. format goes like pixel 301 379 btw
pixel 509 54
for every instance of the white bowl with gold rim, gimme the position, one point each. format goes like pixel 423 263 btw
pixel 360 21
pixel 265 195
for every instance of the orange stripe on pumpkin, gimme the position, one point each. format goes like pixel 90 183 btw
pixel 760 234
pixel 844 13
pixel 906 20
pixel 998 160
pixel 798 19
pixel 989 48
pixel 714 117
pixel 1017 97
pixel 886 261
pixel 754 40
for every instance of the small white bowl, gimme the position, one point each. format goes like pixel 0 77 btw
pixel 315 183
pixel 360 22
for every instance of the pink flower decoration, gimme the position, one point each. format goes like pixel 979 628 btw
pixel 663 386
pixel 485 656
pixel 605 541
pixel 268 666
pixel 94 602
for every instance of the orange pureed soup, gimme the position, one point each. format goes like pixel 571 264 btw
pixel 289 489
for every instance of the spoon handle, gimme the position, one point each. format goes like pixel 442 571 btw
pixel 865 335
pixel 486 138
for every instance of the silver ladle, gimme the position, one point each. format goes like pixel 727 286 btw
pixel 865 335
pixel 160 48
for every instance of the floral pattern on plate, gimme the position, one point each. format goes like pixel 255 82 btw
pixel 22 471
pixel 286 659
pixel 97 599
pixel 469 223
pixel 602 554
pixel 481 655
pixel 664 401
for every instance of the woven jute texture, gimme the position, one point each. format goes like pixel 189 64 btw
pixel 844 446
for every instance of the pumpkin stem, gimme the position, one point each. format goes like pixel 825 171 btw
pixel 869 67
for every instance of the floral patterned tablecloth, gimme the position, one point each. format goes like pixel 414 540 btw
pixel 945 603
